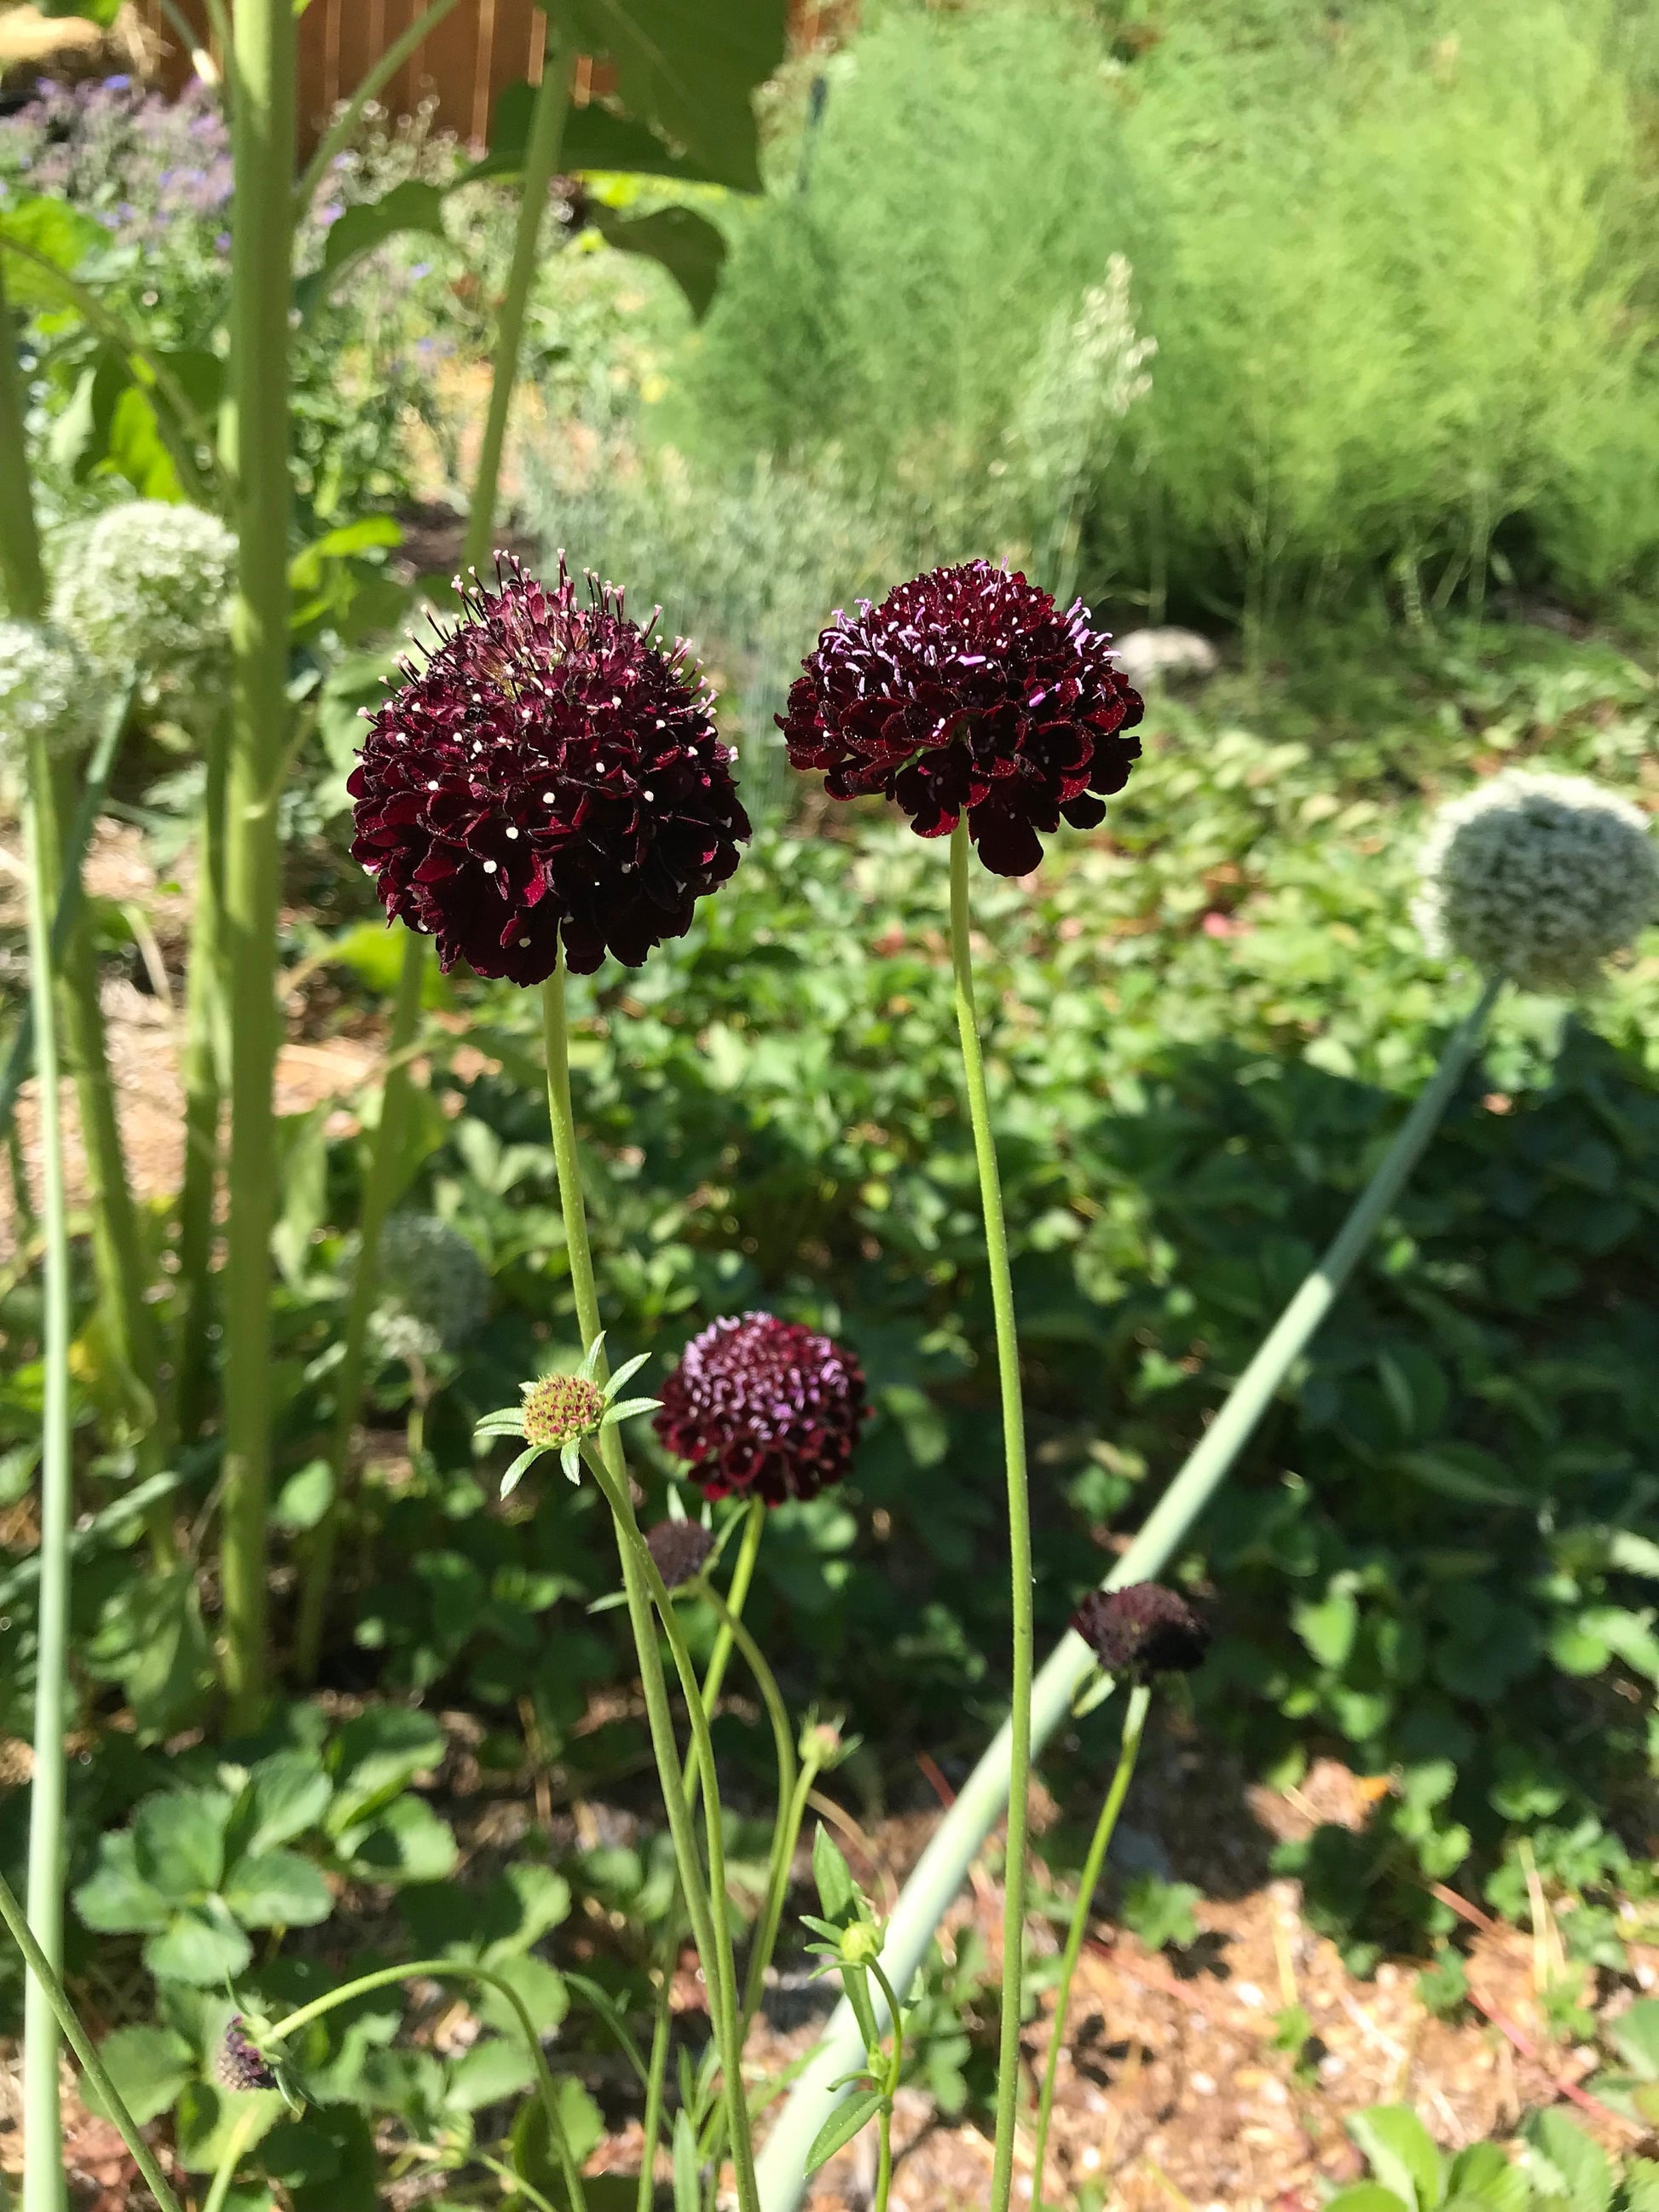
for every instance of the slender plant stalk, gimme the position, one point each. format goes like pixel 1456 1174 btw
pixel 642 1586
pixel 261 71
pixel 943 1867
pixel 1019 1519
pixel 379 1186
pixel 207 1067
pixel 43 2167
pixel 236 2148
pixel 783 1854
pixel 661 2032
pixel 783 1840
pixel 200 60
pixel 20 565
pixel 338 133
pixel 890 2086
pixel 737 1597
pixel 547 129
pixel 45 1974
pixel 1134 1724
pixel 71 898
pixel 451 1970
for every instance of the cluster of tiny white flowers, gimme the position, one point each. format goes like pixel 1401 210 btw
pixel 146 590
pixel 1538 877
pixel 46 689
pixel 434 1289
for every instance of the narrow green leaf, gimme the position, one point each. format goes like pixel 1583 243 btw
pixel 838 2129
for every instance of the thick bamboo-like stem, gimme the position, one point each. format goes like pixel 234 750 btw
pixel 261 69
pixel 1019 1519
pixel 943 1867
pixel 541 159
pixel 43 2163
pixel 21 566
pixel 1134 1725
pixel 207 1066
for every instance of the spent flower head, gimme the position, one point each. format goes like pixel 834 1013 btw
pixel 551 776
pixel 434 1289
pixel 47 689
pixel 562 1413
pixel 1142 1631
pixel 1538 877
pixel 764 1408
pixel 681 1549
pixel 969 689
pixel 238 2063
pixel 148 592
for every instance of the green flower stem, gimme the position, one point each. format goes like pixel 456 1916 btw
pixel 943 1867
pixel 339 133
pixel 261 72
pixel 72 899
pixel 1134 1724
pixel 1019 1519
pixel 207 1067
pixel 723 1984
pixel 21 566
pixel 43 1974
pixel 453 1970
pixel 884 2116
pixel 783 1855
pixel 737 1597
pixel 379 1186
pixel 547 129
pixel 662 2028
pixel 642 1585
pixel 43 2169
pixel 236 2148
pixel 782 1849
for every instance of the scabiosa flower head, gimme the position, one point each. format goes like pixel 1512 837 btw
pixel 434 1289
pixel 1142 1631
pixel 148 590
pixel 680 1549
pixel 1539 877
pixel 763 1408
pixel 551 773
pixel 239 2062
pixel 560 1409
pixel 968 688
pixel 46 689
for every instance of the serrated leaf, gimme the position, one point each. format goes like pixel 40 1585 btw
pixel 1366 2196
pixel 496 2067
pixel 115 1898
pixel 277 1889
pixel 284 1796
pixel 1401 2153
pixel 201 1946
pixel 179 1841
pixel 404 1842
pixel 376 1756
pixel 148 2066
pixel 838 2129
pixel 1566 2162
pixel 1635 2035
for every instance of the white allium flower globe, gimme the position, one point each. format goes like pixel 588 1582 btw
pixel 1538 877
pixel 46 688
pixel 147 588
pixel 434 1289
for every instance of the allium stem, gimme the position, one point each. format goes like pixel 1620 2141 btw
pixel 20 565
pixel 43 2168
pixel 261 71
pixel 943 1867
pixel 707 1904
pixel 379 1187
pixel 1134 1724
pixel 1019 1519
pixel 207 1059
pixel 44 1976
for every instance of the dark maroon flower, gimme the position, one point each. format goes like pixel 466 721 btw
pixel 1143 1629
pixel 763 1408
pixel 968 688
pixel 551 771
pixel 680 1549
pixel 239 2062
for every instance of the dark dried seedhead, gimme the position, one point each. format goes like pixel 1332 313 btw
pixel 238 2063
pixel 1143 1631
pixel 680 1549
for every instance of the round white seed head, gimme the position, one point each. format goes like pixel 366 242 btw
pixel 147 588
pixel 1539 877
pixel 434 1289
pixel 46 689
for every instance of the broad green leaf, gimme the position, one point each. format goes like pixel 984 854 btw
pixel 305 1496
pixel 595 137
pixel 404 1842
pixel 496 2067
pixel 284 1796
pixel 690 71
pixel 101 12
pixel 1566 2162
pixel 1401 2153
pixel 1628 1635
pixel 55 231
pixel 412 206
pixel 1483 2175
pixel 1366 2196
pixel 305 571
pixel 179 1840
pixel 1328 1628
pixel 375 1756
pixel 1635 2034
pixel 583 2125
pixel 277 1889
pixel 202 1945
pixel 149 2066
pixel 536 1985
pixel 688 245
pixel 838 2129
pixel 115 1898
pixel 151 1639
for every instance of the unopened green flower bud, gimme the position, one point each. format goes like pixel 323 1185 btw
pixel 860 1944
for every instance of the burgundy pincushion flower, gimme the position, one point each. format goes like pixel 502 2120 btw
pixel 1143 1629
pixel 239 2062
pixel 968 688
pixel 551 772
pixel 763 1408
